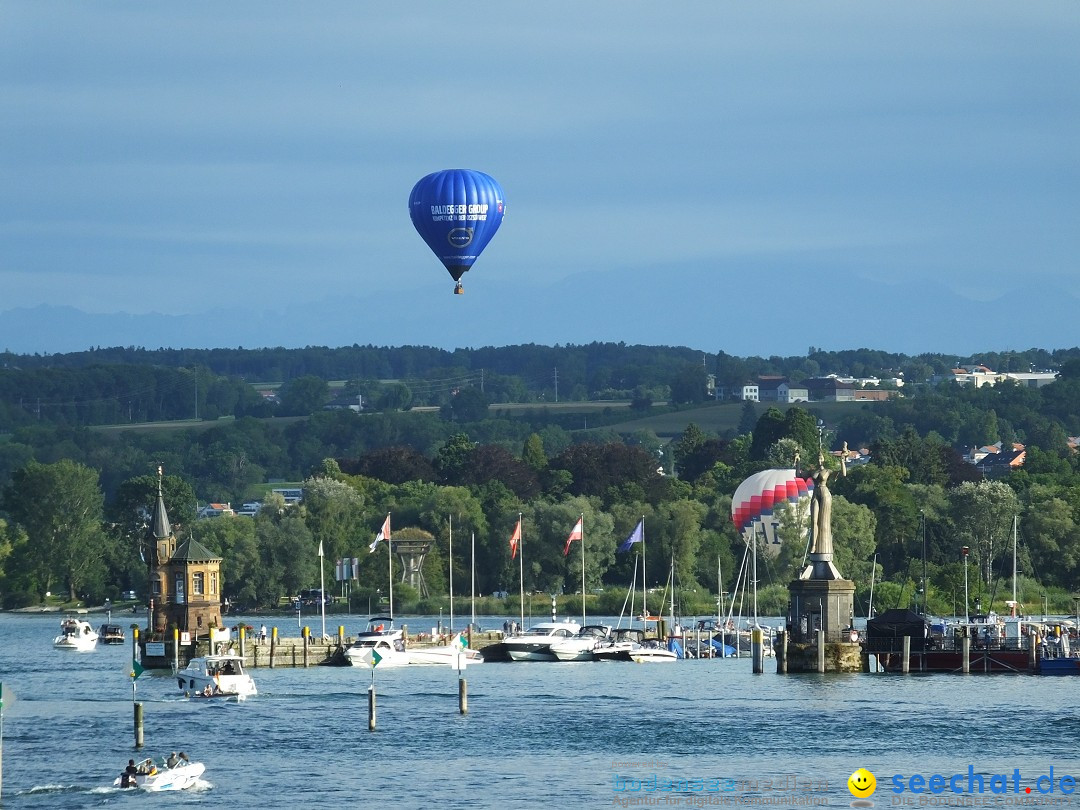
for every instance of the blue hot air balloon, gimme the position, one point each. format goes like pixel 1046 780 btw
pixel 457 211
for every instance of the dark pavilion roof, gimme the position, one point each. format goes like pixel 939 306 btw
pixel 192 551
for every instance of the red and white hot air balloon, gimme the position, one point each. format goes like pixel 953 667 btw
pixel 756 499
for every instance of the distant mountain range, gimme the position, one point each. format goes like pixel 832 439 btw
pixel 765 310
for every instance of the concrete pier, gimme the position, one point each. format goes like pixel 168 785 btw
pixel 280 651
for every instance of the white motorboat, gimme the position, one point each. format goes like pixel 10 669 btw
pixel 149 775
pixel 445 655
pixel 370 651
pixel 582 646
pixel 216 676
pixel 76 634
pixel 653 652
pixel 620 645
pixel 111 634
pixel 535 643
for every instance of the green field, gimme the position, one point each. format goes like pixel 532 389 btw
pixel 719 418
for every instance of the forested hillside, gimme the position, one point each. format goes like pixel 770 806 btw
pixel 74 496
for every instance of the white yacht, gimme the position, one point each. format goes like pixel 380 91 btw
pixel 380 645
pixel 76 634
pixel 582 646
pixel 446 654
pixel 535 643
pixel 216 676
pixel 378 651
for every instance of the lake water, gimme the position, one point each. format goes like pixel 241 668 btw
pixel 537 734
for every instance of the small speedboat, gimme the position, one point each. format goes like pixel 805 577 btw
pixel 76 634
pixel 216 676
pixel 446 654
pixel 111 634
pixel 149 775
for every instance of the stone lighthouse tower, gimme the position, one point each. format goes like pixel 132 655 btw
pixel 185 578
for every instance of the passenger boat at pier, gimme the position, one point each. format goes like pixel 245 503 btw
pixel 996 644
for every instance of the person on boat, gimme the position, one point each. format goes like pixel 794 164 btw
pixel 184 757
pixel 127 778
pixel 172 759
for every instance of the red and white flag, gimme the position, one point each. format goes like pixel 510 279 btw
pixel 575 534
pixel 384 534
pixel 515 538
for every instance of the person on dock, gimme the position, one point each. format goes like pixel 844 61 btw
pixel 262 635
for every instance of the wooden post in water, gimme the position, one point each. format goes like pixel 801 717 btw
pixel 304 638
pixel 241 632
pixel 1032 661
pixel 905 659
pixel 135 643
pixel 781 652
pixel 371 705
pixel 821 651
pixel 341 636
pixel 965 646
pixel 176 648
pixel 756 650
pixel 138 725
pixel 273 645
pixel 463 696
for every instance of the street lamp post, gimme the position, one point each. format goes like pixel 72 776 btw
pixel 964 553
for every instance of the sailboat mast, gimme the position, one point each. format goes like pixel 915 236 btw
pixel 719 593
pixel 754 575
pixel 472 597
pixel 1014 561
pixel 451 518
pixel 671 613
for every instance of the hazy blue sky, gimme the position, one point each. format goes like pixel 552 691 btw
pixel 181 157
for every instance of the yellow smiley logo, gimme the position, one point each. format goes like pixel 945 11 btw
pixel 862 783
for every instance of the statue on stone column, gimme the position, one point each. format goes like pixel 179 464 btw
pixel 822 509
pixel 821 552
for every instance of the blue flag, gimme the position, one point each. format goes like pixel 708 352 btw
pixel 636 536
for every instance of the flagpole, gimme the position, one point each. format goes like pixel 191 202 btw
pixel 582 569
pixel 390 568
pixel 521 571
pixel 472 598
pixel 644 584
pixel 451 574
pixel 322 589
